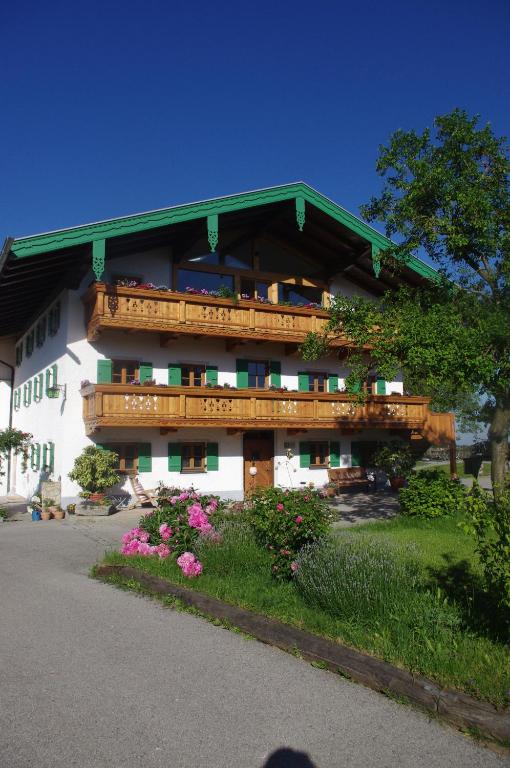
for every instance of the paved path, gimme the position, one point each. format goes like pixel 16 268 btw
pixel 93 677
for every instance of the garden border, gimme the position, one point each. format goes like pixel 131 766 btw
pixel 454 706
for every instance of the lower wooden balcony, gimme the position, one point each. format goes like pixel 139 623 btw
pixel 171 314
pixel 119 405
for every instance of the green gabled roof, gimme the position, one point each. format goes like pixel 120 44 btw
pixel 33 245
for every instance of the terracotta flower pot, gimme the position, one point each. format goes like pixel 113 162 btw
pixel 96 496
pixel 46 514
pixel 59 514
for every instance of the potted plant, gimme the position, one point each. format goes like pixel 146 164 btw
pixel 95 470
pixel 59 513
pixel 396 460
pixel 47 510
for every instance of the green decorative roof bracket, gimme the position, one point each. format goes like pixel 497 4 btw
pixel 212 231
pixel 376 260
pixel 300 212
pixel 98 257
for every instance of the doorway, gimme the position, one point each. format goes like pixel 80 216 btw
pixel 258 453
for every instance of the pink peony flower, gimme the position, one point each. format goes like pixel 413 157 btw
pixel 298 519
pixel 162 550
pixel 294 566
pixel 280 507
pixel 189 565
pixel 183 496
pixel 165 531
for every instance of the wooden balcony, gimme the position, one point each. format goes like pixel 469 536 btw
pixel 172 313
pixel 119 405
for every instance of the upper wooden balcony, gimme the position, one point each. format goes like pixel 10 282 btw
pixel 173 313
pixel 124 405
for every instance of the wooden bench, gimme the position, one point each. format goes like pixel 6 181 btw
pixel 350 477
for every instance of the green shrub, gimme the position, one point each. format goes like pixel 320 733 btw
pixel 94 469
pixel 431 493
pixel 284 521
pixel 490 523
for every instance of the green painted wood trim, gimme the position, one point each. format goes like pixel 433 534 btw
pixel 144 372
pixel 212 457
pixel 104 371
pixel 303 381
pixel 51 456
pixel 37 456
pixel 211 374
pixel 65 238
pixel 212 231
pixel 242 373
pixel 276 373
pixel 144 457
pixel 174 457
pixel 334 453
pixel 380 386
pixel 332 382
pixel 174 375
pixel 355 454
pixel 98 257
pixel 304 455
pixel 300 212
pixel 44 455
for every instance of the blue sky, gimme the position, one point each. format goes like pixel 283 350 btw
pixel 111 108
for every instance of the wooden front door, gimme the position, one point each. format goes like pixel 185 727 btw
pixel 259 454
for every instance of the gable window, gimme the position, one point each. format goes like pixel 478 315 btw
pixel 296 294
pixel 254 289
pixel 193 375
pixel 258 374
pixel 319 454
pixel 193 457
pixel 124 371
pixel 127 457
pixel 210 281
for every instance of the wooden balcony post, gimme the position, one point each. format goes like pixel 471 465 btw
pixel 182 405
pixel 182 311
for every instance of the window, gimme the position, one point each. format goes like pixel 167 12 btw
pixel 127 454
pixel 40 332
pixel 193 375
pixel 124 371
pixel 240 260
pixel 54 319
pixel 254 289
pixel 319 454
pixel 193 457
pixel 258 374
pixel 317 381
pixel 296 294
pixel 211 281
pixel 29 343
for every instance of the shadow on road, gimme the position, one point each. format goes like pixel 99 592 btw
pixel 288 758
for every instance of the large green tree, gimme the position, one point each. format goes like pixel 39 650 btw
pixel 445 192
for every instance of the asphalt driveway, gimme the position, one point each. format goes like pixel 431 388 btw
pixel 94 677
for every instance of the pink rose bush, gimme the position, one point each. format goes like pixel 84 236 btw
pixel 174 528
pixel 284 521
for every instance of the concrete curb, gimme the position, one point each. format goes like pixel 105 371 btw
pixel 454 706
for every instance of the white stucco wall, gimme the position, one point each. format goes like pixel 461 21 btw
pixel 6 354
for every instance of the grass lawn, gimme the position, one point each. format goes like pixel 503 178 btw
pixel 473 658
pixel 485 469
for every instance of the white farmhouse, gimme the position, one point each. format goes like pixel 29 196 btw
pixel 173 338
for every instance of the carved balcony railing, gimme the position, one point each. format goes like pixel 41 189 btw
pixel 164 312
pixel 119 405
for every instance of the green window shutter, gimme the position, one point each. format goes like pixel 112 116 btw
pixel 303 380
pixel 332 382
pixel 276 373
pixel 380 387
pixel 145 457
pixel 104 371
pixel 17 399
pixel 101 447
pixel 212 457
pixel 44 456
pixel 356 387
pixel 304 455
pixel 32 456
pixel 37 462
pixel 355 454
pixel 29 392
pixel 211 374
pixel 51 456
pixel 334 453
pixel 242 373
pixel 24 394
pixel 48 380
pixel 174 375
pixel 174 457
pixel 145 372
